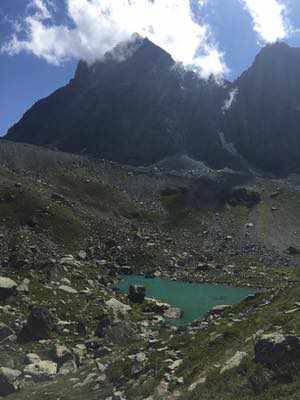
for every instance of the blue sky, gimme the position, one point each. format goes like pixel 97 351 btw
pixel 42 40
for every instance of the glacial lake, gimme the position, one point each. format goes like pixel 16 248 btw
pixel 195 299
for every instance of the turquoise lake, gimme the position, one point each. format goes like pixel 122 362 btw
pixel 195 299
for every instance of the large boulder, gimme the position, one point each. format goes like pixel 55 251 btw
pixel 234 361
pixel 39 326
pixel 276 349
pixel 8 381
pixel 117 307
pixel 137 293
pixel 41 370
pixel 105 322
pixel 8 288
pixel 5 332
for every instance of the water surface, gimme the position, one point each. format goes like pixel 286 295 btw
pixel 195 299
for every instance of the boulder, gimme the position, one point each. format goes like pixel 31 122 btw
pixel 293 251
pixel 8 288
pixel 117 307
pixel 62 354
pixel 218 310
pixel 105 322
pixel 32 358
pixel 121 332
pixel 82 255
pixel 276 349
pixel 173 313
pixel 234 361
pixel 69 261
pixel 39 326
pixel 24 286
pixel 137 294
pixel 41 370
pixel 155 306
pixel 5 331
pixel 8 378
pixel 67 289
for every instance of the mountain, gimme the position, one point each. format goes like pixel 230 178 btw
pixel 138 107
pixel 263 121
pixel 136 110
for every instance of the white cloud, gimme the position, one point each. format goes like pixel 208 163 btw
pixel 269 19
pixel 99 25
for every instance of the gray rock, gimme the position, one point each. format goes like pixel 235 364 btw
pixel 82 255
pixel 8 288
pixel 218 310
pixel 5 331
pixel 173 313
pixel 234 361
pixel 41 370
pixel 62 354
pixel 32 358
pixel 8 378
pixel 24 286
pixel 118 307
pixel 67 289
pixel 68 367
pixel 39 326
pixel 69 261
pixel 277 349
pixel 137 294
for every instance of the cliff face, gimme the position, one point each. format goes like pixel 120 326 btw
pixel 264 119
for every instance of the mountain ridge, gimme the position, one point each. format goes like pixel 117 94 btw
pixel 142 108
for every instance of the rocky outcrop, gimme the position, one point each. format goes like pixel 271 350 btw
pixel 276 349
pixel 264 118
pixel 39 326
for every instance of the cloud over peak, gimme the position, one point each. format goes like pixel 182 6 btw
pixel 97 26
pixel 269 19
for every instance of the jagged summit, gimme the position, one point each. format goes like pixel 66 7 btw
pixel 137 50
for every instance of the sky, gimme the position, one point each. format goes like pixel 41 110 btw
pixel 41 41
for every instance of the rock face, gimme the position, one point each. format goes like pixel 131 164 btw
pixel 276 349
pixel 137 293
pixel 38 326
pixel 264 118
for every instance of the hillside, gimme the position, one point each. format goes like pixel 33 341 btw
pixel 70 224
